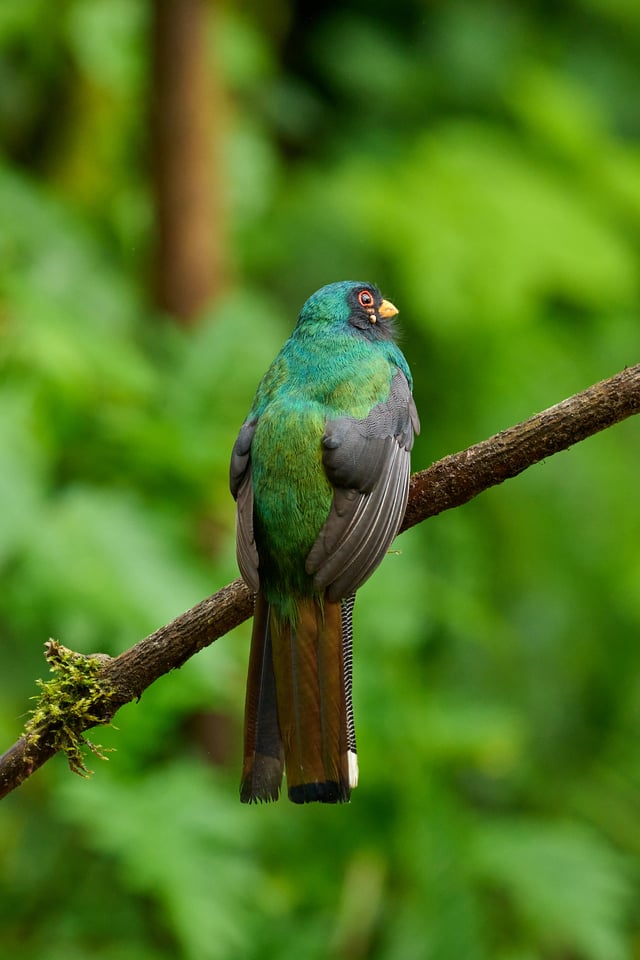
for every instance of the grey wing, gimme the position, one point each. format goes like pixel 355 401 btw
pixel 368 463
pixel 241 486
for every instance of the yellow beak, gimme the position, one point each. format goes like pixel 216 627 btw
pixel 387 309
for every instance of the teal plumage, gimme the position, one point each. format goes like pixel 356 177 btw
pixel 320 471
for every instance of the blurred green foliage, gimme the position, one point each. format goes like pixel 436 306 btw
pixel 481 162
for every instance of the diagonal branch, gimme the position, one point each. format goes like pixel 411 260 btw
pixel 446 484
pixel 462 476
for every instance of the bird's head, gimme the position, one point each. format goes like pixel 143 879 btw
pixel 349 304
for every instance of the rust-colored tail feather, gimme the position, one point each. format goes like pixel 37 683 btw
pixel 309 668
pixel 302 667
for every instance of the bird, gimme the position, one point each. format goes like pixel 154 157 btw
pixel 320 473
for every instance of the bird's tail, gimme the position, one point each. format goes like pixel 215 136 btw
pixel 298 705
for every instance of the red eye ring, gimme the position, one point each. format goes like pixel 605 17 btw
pixel 365 299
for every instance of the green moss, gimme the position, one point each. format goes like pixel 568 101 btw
pixel 74 700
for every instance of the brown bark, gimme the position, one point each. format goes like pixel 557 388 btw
pixel 185 125
pixel 448 483
pixel 460 477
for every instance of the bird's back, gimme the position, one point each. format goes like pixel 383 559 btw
pixel 313 380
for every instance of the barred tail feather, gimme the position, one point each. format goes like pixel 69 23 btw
pixel 347 648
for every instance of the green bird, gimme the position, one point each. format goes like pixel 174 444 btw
pixel 320 471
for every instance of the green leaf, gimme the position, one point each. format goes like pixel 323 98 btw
pixel 110 569
pixel 568 888
pixel 182 840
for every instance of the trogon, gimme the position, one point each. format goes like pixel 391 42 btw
pixel 320 471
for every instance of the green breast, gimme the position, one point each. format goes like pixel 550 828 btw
pixel 292 495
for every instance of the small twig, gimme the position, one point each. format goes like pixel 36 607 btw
pixel 449 483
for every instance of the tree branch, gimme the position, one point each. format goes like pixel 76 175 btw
pixel 460 477
pixel 448 483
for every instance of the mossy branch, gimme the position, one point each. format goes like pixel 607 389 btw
pixel 78 697
pixel 89 691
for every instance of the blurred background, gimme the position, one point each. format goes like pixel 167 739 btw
pixel 175 179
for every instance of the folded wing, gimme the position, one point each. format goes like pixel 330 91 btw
pixel 368 463
pixel 242 489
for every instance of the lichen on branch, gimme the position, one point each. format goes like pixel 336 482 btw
pixel 75 699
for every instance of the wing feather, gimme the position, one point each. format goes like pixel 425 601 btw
pixel 241 485
pixel 368 462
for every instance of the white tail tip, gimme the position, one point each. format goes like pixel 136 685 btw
pixel 353 768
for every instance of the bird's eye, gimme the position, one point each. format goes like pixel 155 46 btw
pixel 365 299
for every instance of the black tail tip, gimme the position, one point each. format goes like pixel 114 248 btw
pixel 327 792
pixel 248 795
pixel 257 793
pixel 261 778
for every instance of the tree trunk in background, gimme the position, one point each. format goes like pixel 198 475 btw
pixel 186 104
